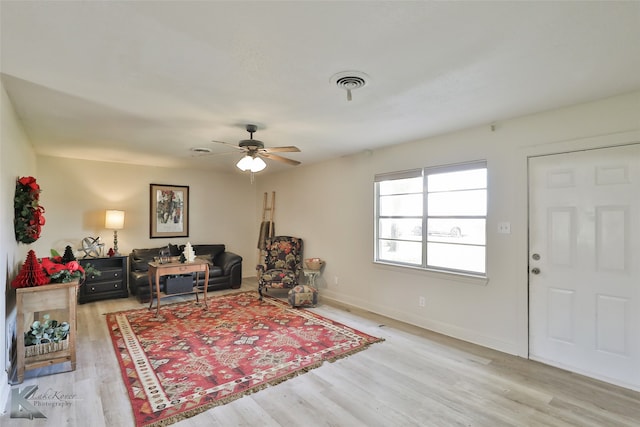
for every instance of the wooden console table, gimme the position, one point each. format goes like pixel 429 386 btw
pixel 57 300
pixel 157 270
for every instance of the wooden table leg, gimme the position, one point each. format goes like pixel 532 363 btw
pixel 149 275
pixel 206 285
pixel 196 285
pixel 20 326
pixel 157 292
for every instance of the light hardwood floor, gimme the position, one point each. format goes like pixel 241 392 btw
pixel 413 378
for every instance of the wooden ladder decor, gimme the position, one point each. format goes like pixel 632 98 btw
pixel 267 227
pixel 269 211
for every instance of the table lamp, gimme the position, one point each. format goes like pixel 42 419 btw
pixel 114 220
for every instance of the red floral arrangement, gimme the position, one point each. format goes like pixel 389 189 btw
pixel 28 214
pixel 54 269
pixel 61 272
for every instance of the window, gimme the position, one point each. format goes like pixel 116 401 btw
pixel 433 218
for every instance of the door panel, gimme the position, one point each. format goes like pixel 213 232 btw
pixel 584 259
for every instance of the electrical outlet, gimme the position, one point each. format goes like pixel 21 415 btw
pixel 421 301
pixel 504 227
pixel 335 280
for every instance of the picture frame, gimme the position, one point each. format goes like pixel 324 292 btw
pixel 168 211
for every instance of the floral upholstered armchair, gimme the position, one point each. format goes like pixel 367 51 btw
pixel 281 263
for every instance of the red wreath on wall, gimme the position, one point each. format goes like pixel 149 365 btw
pixel 28 214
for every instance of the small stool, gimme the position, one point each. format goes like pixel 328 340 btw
pixel 303 295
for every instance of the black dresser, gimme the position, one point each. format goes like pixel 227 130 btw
pixel 111 283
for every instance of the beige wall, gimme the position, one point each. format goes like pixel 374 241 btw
pixel 76 194
pixel 16 159
pixel 330 205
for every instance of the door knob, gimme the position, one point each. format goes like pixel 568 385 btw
pixel 535 270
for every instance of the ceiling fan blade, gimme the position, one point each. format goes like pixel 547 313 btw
pixel 279 158
pixel 287 149
pixel 195 153
pixel 229 144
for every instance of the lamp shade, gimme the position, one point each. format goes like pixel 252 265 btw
pixel 114 220
pixel 245 163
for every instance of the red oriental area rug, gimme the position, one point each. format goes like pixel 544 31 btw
pixel 189 359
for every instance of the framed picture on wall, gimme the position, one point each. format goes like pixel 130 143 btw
pixel 169 211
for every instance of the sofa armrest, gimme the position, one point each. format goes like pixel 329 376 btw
pixel 226 261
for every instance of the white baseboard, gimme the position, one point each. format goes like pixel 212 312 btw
pixel 438 327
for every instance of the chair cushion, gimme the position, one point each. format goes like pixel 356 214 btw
pixel 278 278
pixel 283 252
pixel 303 295
pixel 206 258
pixel 208 250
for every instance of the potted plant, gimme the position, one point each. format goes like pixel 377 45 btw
pixel 46 336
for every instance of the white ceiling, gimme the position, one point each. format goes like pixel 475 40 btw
pixel 145 81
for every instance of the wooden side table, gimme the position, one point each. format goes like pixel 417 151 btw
pixel 157 270
pixel 59 302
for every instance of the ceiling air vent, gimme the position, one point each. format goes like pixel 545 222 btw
pixel 201 150
pixel 349 81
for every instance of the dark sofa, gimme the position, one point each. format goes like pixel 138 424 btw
pixel 225 268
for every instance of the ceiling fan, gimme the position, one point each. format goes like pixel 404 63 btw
pixel 255 149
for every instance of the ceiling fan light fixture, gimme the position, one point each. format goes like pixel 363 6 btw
pixel 258 164
pixel 254 150
pixel 244 164
pixel 249 163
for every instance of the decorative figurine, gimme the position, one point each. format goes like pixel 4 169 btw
pixel 188 253
pixel 92 247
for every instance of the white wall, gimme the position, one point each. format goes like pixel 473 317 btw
pixel 17 159
pixel 330 205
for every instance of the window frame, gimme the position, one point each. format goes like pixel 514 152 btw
pixel 424 173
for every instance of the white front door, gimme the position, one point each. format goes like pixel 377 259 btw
pixel 584 262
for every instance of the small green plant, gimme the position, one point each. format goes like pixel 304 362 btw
pixel 46 331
